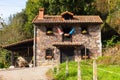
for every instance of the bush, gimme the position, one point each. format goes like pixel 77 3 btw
pixel 106 60
pixel 5 58
pixel 1 65
pixel 110 42
pixel 109 60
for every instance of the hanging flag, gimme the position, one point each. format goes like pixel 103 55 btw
pixel 72 31
pixel 59 31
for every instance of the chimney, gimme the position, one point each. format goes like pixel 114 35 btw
pixel 41 13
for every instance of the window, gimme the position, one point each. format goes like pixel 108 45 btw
pixel 66 36
pixel 85 53
pixel 67 15
pixel 84 30
pixel 49 30
pixel 49 54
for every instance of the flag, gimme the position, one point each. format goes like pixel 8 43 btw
pixel 59 31
pixel 72 31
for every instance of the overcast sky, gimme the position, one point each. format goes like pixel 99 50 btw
pixel 9 7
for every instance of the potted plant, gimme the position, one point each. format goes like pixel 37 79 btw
pixel 49 32
pixel 84 31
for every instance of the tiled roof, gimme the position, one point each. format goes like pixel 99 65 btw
pixel 67 44
pixel 17 43
pixel 76 19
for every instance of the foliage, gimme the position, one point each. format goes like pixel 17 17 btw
pixel 110 42
pixel 32 7
pixel 105 7
pixel 109 60
pixel 1 65
pixel 14 31
pixel 111 55
pixel 86 72
pixel 4 58
pixel 77 7
pixel 114 21
pixel 109 12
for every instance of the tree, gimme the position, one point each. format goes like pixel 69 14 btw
pixel 14 30
pixel 32 7
pixel 113 19
pixel 109 12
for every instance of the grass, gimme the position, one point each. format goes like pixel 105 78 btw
pixel 49 74
pixel 110 72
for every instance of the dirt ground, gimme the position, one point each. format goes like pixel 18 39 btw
pixel 37 73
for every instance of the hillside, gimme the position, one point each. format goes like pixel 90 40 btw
pixel 111 56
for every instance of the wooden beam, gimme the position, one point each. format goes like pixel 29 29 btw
pixel 12 58
pixel 34 46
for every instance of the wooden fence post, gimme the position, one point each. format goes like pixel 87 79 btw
pixel 52 64
pixel 58 66
pixel 79 70
pixel 67 72
pixel 94 70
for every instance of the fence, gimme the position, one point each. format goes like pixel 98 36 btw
pixel 95 70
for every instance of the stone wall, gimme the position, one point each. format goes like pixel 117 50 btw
pixel 44 42
pixel 92 40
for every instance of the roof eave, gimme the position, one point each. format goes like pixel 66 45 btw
pixel 14 44
pixel 37 22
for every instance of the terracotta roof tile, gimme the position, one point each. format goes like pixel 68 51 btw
pixel 76 19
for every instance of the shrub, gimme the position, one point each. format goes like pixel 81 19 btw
pixel 110 42
pixel 1 65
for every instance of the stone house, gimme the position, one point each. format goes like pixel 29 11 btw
pixel 66 36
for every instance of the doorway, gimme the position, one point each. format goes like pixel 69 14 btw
pixel 66 52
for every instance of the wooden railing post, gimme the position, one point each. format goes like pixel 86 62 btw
pixel 79 70
pixel 67 72
pixel 94 70
pixel 52 64
pixel 12 58
pixel 58 61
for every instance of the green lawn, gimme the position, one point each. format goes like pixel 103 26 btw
pixel 111 72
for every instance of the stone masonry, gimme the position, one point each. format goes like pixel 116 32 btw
pixel 92 40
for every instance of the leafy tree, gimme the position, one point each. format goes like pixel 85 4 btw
pixel 14 31
pixel 32 7
pixel 109 12
pixel 113 18
pixel 75 6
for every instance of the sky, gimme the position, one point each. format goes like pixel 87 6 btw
pixel 10 7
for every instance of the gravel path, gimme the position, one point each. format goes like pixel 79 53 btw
pixel 37 73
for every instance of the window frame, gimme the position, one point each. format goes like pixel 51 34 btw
pixel 49 29
pixel 66 36
pixel 84 30
pixel 49 54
